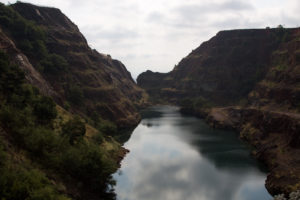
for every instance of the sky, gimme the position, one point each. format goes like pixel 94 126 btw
pixel 157 34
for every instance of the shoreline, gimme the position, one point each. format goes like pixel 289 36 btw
pixel 272 134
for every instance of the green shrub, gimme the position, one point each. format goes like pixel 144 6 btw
pixel 54 65
pixel 21 183
pixel 75 95
pixel 11 77
pixel 186 103
pixel 98 138
pixel 39 50
pixel 107 127
pixel 45 109
pixel 40 141
pixel 14 119
pixel 74 130
pixel 86 163
pixel 67 105
pixel 46 193
pixel 104 126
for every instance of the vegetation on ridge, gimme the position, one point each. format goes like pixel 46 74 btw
pixel 86 81
pixel 27 119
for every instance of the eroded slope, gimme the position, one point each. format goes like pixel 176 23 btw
pixel 88 82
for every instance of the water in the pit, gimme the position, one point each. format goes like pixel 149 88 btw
pixel 176 157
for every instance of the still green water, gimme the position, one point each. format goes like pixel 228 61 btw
pixel 176 157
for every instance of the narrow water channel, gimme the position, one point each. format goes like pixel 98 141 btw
pixel 176 157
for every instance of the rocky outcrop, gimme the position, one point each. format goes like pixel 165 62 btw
pixel 31 74
pixel 101 86
pixel 279 89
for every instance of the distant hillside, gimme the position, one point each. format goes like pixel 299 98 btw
pixel 222 70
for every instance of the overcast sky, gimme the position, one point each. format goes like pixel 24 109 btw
pixel 157 34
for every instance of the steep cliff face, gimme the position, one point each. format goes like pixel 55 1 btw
pixel 31 74
pixel 153 83
pixel 222 70
pixel 280 87
pixel 84 80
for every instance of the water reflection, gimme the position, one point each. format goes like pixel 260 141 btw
pixel 178 157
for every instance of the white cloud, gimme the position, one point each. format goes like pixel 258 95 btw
pixel 166 30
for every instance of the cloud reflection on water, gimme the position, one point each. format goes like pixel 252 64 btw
pixel 171 161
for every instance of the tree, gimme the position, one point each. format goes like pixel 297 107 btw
pixel 54 64
pixel 280 26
